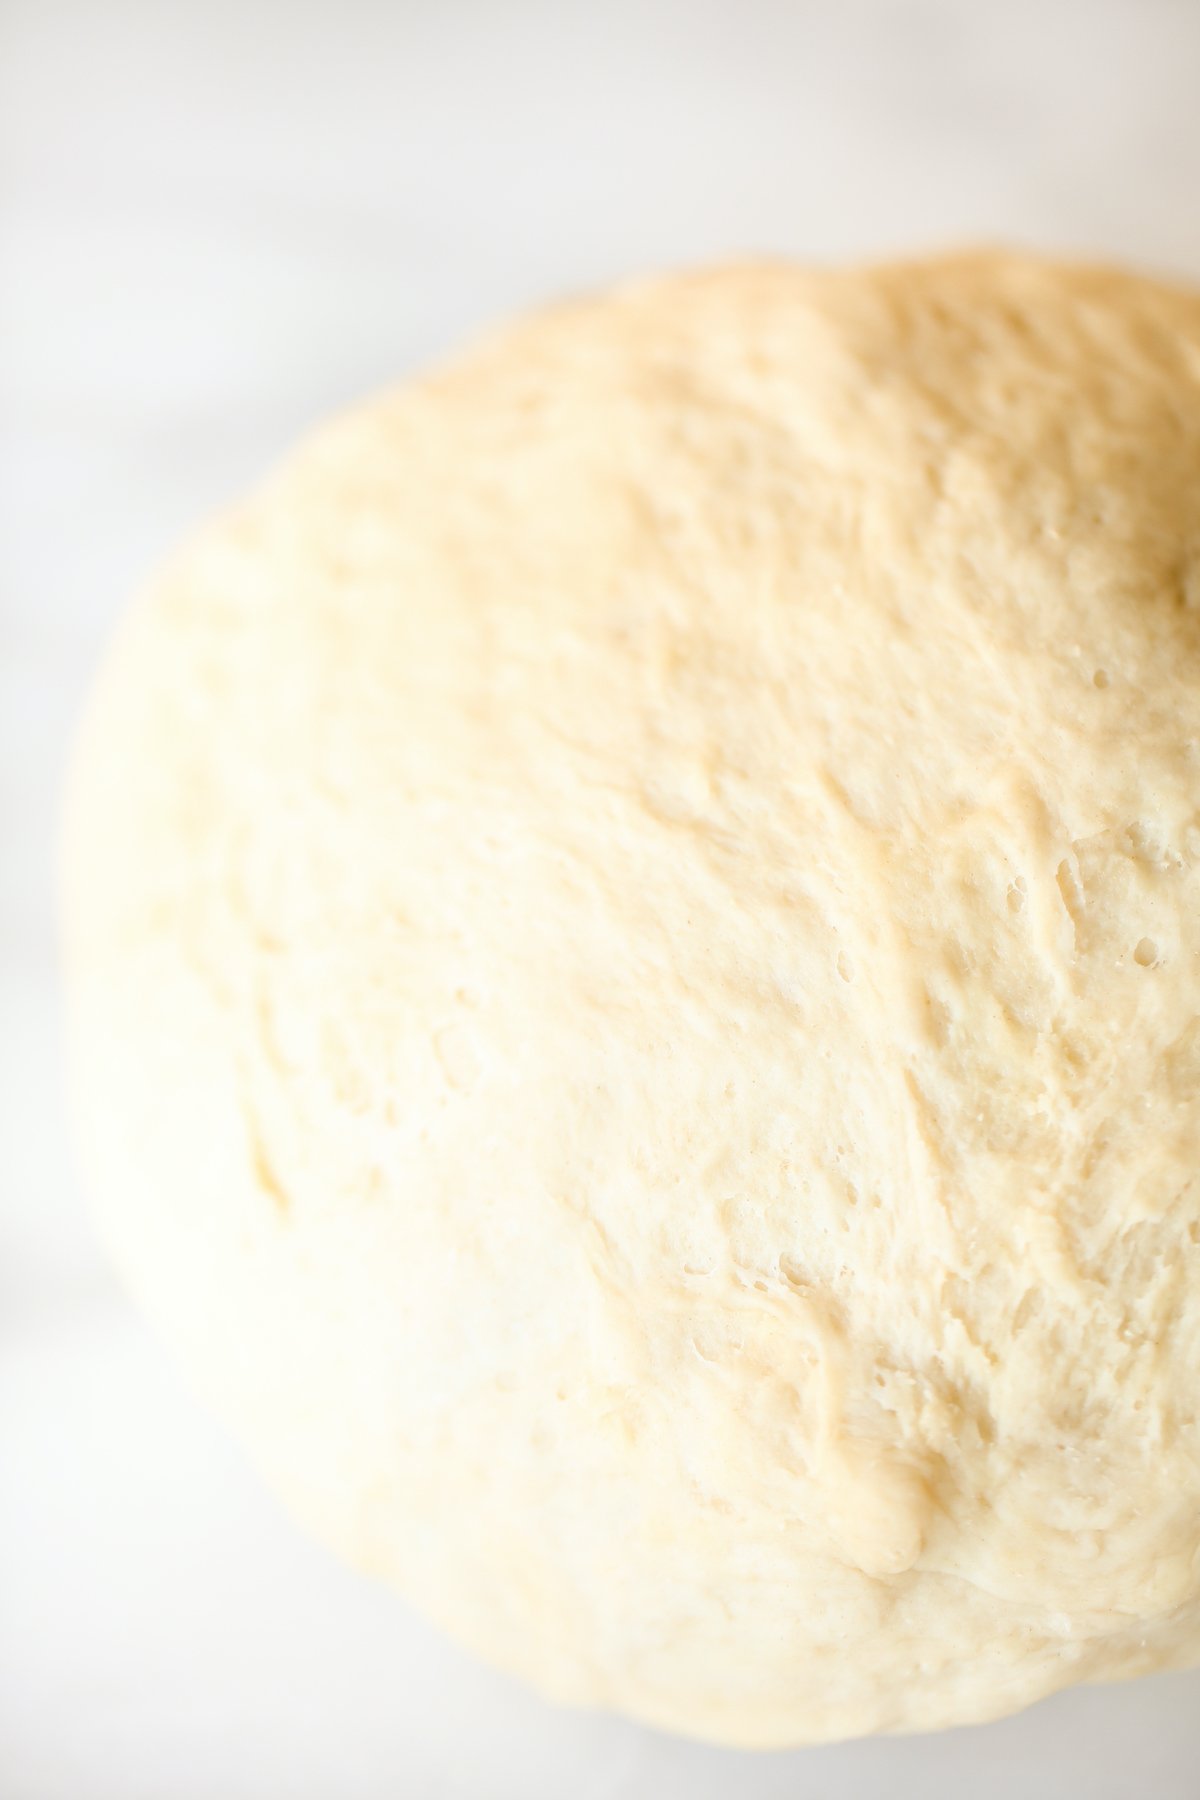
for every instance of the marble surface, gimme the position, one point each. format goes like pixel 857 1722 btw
pixel 216 222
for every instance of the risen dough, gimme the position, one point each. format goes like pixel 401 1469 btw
pixel 634 925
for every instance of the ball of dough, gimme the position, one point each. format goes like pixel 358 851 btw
pixel 634 940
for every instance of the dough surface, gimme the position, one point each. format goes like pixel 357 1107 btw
pixel 633 927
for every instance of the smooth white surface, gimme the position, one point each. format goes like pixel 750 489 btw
pixel 216 222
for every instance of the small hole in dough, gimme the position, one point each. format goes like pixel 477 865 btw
pixel 1146 952
pixel 1016 894
pixel 1100 678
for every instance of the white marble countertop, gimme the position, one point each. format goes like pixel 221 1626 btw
pixel 218 220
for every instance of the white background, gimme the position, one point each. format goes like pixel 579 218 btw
pixel 217 221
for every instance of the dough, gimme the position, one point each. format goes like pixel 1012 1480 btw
pixel 634 948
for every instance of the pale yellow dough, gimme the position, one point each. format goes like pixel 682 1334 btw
pixel 634 948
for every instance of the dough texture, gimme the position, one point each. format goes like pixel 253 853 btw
pixel 633 923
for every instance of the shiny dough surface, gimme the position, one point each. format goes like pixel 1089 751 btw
pixel 633 934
